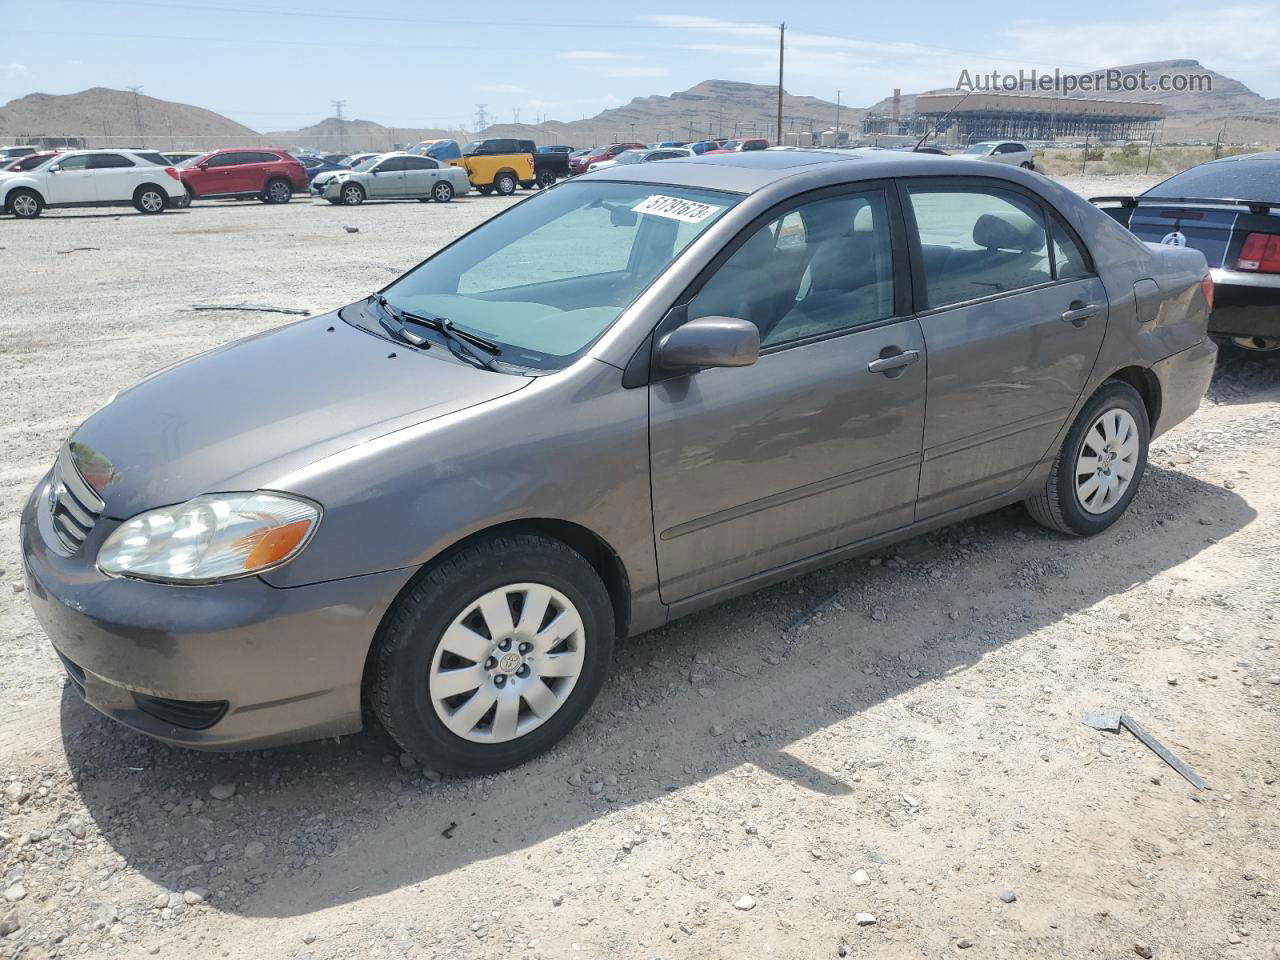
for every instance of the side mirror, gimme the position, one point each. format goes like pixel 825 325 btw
pixel 710 342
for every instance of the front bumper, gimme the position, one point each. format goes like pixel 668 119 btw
pixel 1184 380
pixel 228 666
pixel 1245 304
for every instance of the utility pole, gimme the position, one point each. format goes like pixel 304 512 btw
pixel 137 109
pixel 837 116
pixel 482 118
pixel 782 37
pixel 337 112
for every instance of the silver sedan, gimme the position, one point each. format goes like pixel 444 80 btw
pixel 394 176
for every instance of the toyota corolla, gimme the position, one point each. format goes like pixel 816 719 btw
pixel 630 396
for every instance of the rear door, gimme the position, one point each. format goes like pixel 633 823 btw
pixel 420 175
pixel 115 177
pixel 1013 317
pixel 817 445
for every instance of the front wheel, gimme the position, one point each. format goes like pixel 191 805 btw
pixel 25 204
pixel 1027 165
pixel 442 192
pixel 1097 472
pixel 352 194
pixel 493 655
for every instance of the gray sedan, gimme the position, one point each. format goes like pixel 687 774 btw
pixel 393 176
pixel 636 394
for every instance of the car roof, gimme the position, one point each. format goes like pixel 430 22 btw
pixel 752 170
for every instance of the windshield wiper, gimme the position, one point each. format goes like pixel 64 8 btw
pixel 460 342
pixel 391 320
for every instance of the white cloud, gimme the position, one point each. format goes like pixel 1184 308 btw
pixel 16 71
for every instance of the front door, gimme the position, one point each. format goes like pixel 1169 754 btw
pixel 387 179
pixel 1013 316
pixel 71 181
pixel 816 445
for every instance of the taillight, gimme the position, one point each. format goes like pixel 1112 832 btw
pixel 172 172
pixel 1206 287
pixel 1261 252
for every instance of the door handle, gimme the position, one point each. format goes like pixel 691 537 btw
pixel 1080 313
pixel 894 361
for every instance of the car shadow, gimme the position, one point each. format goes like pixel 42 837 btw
pixel 735 685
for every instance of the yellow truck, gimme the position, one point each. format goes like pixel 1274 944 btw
pixel 498 165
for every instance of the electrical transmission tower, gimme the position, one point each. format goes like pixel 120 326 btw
pixel 337 112
pixel 137 109
pixel 515 115
pixel 482 118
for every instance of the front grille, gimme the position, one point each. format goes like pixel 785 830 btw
pixel 74 505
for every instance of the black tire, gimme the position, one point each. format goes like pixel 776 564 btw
pixel 403 650
pixel 484 191
pixel 150 199
pixel 182 202
pixel 504 184
pixel 277 190
pixel 24 204
pixel 1058 506
pixel 1028 165
pixel 442 191
pixel 351 194
pixel 546 179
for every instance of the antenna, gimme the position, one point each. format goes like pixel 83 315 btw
pixel 938 126
pixel 482 118
pixel 137 108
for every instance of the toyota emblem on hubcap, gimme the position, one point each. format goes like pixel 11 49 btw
pixel 509 663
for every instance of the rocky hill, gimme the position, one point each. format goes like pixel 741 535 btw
pixel 114 116
pixel 355 135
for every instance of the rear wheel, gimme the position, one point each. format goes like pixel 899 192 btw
pixel 181 202
pixel 25 204
pixel 505 184
pixel 352 194
pixel 442 192
pixel 492 655
pixel 546 179
pixel 149 198
pixel 1097 472
pixel 277 191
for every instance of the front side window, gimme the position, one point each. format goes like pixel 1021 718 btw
pixel 823 267
pixel 225 160
pixel 976 243
pixel 78 162
pixel 391 165
pixel 549 276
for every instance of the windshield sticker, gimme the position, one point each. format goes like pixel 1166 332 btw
pixel 673 208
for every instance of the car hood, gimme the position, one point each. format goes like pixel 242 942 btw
pixel 241 416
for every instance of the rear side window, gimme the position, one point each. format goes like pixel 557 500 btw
pixel 264 158
pixel 107 161
pixel 824 267
pixel 977 243
pixel 419 163
pixel 157 158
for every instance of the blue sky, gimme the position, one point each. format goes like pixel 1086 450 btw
pixel 279 65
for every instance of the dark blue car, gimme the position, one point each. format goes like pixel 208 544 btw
pixel 314 165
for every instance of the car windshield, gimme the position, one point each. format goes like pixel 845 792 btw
pixel 192 161
pixel 981 149
pixel 1225 180
pixel 364 166
pixel 547 277
pixel 731 145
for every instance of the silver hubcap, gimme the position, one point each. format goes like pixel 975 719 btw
pixel 352 195
pixel 442 192
pixel 152 201
pixel 507 663
pixel 279 191
pixel 24 206
pixel 1107 461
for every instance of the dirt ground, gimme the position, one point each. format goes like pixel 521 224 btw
pixel 898 736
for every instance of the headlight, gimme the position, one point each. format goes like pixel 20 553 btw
pixel 209 539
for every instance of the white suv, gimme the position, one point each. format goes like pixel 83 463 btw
pixel 92 178
pixel 1001 151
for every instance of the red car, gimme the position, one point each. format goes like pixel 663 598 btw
pixel 735 146
pixel 579 165
pixel 268 173
pixel 29 162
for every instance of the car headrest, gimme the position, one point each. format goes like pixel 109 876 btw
pixel 998 231
pixel 756 251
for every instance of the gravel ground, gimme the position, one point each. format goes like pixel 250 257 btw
pixel 881 759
